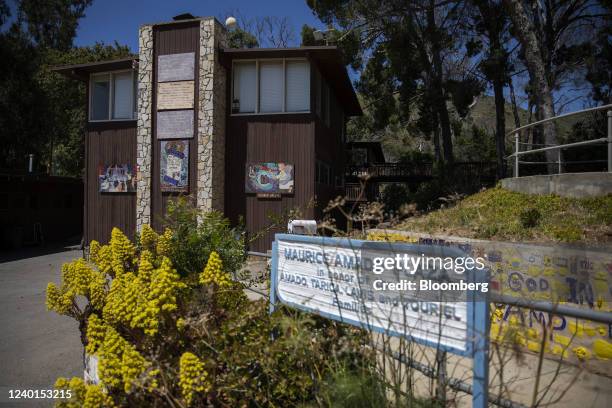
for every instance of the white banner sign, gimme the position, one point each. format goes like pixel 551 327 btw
pixel 327 276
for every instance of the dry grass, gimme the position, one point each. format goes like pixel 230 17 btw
pixel 500 214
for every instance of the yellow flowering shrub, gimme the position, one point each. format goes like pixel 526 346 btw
pixel 229 294
pixel 187 334
pixel 96 331
pixel 60 300
pixel 138 300
pixel 123 252
pixel 127 292
pixel 83 395
pixel 213 272
pixel 148 238
pixel 192 377
pixel 164 242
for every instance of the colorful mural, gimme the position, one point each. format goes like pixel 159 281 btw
pixel 269 178
pixel 174 166
pixel 116 178
pixel 559 274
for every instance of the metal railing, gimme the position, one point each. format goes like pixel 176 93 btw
pixel 517 152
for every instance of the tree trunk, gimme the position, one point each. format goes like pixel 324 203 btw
pixel 500 127
pixel 438 90
pixel 526 34
pixel 436 141
pixel 515 112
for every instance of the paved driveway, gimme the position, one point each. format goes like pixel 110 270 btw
pixel 36 346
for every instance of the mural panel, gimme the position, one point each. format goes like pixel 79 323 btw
pixel 174 166
pixel 116 178
pixel 269 178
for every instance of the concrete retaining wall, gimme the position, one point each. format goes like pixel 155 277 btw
pixel 576 185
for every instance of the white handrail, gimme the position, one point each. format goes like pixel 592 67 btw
pixel 558 148
pixel 563 146
pixel 565 115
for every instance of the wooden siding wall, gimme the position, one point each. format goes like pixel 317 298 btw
pixel 173 39
pixel 329 147
pixel 268 138
pixel 108 143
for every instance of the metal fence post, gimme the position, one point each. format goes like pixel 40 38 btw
pixel 516 158
pixel 480 378
pixel 559 159
pixel 610 141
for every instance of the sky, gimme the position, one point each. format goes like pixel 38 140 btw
pixel 108 21
pixel 118 20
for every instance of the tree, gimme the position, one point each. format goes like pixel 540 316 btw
pixel 238 38
pixel 265 32
pixel 490 22
pixel 553 36
pixel 52 23
pixel 44 111
pixel 533 51
pixel 22 101
pixel 419 41
pixel 599 59
pixel 65 105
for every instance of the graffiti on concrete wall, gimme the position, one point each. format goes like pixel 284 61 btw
pixel 559 274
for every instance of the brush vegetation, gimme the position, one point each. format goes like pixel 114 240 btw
pixel 501 214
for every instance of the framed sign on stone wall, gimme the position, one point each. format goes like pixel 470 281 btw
pixel 176 67
pixel 177 124
pixel 175 95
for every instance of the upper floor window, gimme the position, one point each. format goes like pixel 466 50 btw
pixel 112 96
pixel 271 86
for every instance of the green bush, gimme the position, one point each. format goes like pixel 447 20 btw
pixel 197 234
pixel 394 196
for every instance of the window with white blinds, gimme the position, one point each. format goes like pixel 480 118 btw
pixel 123 94
pixel 245 92
pixel 298 86
pixel 271 89
pixel 270 86
pixel 112 96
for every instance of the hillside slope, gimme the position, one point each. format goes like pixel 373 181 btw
pixel 501 214
pixel 483 116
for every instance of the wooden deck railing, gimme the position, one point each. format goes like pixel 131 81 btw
pixel 356 192
pixel 391 170
pixel 423 170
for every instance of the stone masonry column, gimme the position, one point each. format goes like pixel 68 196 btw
pixel 144 131
pixel 211 118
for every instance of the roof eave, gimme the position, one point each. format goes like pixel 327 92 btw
pixel 82 71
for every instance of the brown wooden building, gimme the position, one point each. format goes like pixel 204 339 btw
pixel 253 133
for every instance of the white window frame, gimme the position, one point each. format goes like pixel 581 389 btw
pixel 110 75
pixel 257 62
